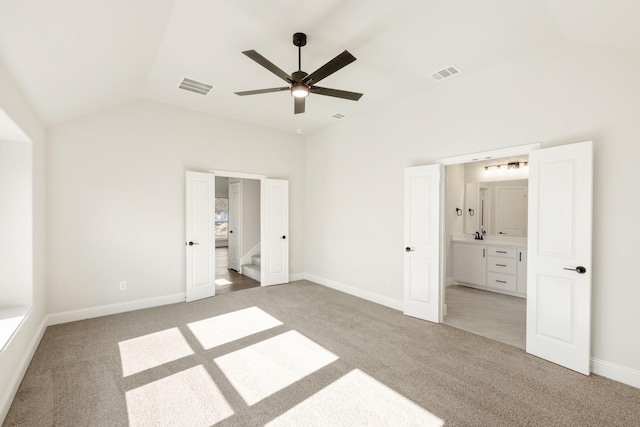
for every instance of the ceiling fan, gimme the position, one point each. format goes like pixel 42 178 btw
pixel 300 83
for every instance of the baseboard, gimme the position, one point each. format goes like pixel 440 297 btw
pixel 105 310
pixel 360 293
pixel 296 277
pixel 616 372
pixel 14 383
pixel 449 281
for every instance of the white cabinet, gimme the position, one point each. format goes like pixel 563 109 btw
pixel 522 272
pixel 469 264
pixel 489 267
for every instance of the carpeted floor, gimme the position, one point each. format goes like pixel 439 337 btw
pixel 299 354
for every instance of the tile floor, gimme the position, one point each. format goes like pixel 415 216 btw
pixel 492 315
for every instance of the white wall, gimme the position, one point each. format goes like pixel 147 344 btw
pixel 115 184
pixel 454 224
pixel 16 224
pixel 17 354
pixel 250 215
pixel 222 186
pixel 354 170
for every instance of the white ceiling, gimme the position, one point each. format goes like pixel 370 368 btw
pixel 72 57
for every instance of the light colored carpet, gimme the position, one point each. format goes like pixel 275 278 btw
pixel 299 354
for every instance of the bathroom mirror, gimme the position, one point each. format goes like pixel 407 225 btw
pixel 496 208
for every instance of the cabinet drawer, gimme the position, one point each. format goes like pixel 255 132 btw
pixel 501 265
pixel 502 252
pixel 501 281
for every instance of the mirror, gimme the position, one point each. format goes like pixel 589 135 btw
pixel 496 208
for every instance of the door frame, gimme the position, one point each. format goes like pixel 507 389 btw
pixel 242 175
pixel 470 158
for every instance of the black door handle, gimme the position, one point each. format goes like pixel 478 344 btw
pixel 192 243
pixel 284 237
pixel 408 249
pixel 230 231
pixel 579 269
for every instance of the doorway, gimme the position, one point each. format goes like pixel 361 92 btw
pixel 485 233
pixel 558 254
pixel 237 231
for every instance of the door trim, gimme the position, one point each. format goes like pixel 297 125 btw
pixel 469 158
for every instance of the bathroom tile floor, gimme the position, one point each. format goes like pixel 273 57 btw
pixel 492 315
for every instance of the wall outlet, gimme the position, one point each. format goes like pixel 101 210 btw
pixel 123 286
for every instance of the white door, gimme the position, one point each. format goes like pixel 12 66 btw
pixel 235 217
pixel 274 231
pixel 559 255
pixel 422 242
pixel 201 235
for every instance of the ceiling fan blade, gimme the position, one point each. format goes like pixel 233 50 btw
pixel 298 106
pixel 259 91
pixel 353 96
pixel 342 60
pixel 268 65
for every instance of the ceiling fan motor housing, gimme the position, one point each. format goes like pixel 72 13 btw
pixel 300 39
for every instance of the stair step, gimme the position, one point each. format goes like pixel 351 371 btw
pixel 255 259
pixel 252 271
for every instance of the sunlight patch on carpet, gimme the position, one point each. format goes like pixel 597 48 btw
pixel 150 351
pixel 188 398
pixel 232 326
pixel 222 282
pixel 269 366
pixel 357 399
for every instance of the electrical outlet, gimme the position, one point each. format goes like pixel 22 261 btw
pixel 123 286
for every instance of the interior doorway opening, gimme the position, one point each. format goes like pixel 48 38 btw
pixel 237 234
pixel 485 238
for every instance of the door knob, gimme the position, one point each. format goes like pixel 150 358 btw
pixel 230 231
pixel 408 249
pixel 192 243
pixel 284 237
pixel 579 269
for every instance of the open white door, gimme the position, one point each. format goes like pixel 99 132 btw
pixel 422 242
pixel 559 261
pixel 200 235
pixel 274 231
pixel 235 217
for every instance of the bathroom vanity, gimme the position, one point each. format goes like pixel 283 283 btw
pixel 491 265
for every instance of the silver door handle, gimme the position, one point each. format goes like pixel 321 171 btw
pixel 408 249
pixel 193 243
pixel 579 269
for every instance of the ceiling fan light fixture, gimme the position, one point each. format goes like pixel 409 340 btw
pixel 299 90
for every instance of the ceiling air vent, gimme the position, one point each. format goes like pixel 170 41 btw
pixel 195 86
pixel 449 71
pixel 337 116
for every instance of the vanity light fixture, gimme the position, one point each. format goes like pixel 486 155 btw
pixel 511 166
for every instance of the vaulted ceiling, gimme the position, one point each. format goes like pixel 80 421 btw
pixel 73 57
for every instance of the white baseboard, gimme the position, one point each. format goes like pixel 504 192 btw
pixel 298 276
pixel 449 281
pixel 105 310
pixel 18 374
pixel 616 372
pixel 351 290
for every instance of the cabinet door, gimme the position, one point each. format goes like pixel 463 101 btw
pixel 522 272
pixel 470 264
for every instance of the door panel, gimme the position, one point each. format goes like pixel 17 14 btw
pixel 558 296
pixel 422 242
pixel 274 230
pixel 235 217
pixel 200 232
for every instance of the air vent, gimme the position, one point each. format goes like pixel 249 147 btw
pixel 337 116
pixel 447 72
pixel 195 86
